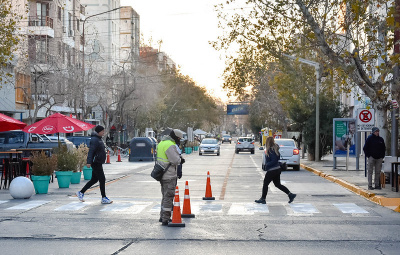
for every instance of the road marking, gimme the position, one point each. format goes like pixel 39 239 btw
pixel 303 208
pixel 73 206
pixel 206 207
pixel 222 196
pixel 247 209
pixel 28 205
pixel 3 201
pixel 117 207
pixel 155 208
pixel 350 208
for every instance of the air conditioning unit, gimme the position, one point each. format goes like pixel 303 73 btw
pixel 64 29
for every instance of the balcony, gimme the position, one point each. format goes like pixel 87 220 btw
pixel 40 26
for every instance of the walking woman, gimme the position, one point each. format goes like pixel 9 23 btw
pixel 96 158
pixel 273 171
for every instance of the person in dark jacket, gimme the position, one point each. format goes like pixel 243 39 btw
pixel 95 159
pixel 374 149
pixel 273 169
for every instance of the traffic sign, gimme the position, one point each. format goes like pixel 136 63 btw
pixel 365 119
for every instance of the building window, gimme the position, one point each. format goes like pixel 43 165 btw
pixel 59 13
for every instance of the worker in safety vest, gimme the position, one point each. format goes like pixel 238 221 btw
pixel 167 152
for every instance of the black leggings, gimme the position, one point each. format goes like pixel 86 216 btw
pixel 97 175
pixel 275 176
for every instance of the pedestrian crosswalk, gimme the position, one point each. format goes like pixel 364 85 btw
pixel 198 207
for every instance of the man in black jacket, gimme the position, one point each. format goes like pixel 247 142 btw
pixel 374 149
pixel 95 159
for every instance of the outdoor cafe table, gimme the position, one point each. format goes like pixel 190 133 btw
pixel 7 167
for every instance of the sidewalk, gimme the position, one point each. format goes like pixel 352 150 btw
pixel 354 180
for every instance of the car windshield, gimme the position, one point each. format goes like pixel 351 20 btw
pixel 245 139
pixel 227 136
pixel 209 141
pixel 284 143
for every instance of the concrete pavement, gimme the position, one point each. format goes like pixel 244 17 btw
pixel 353 179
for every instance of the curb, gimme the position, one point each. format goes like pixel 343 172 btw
pixel 391 203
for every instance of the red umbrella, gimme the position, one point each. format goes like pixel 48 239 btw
pixel 8 123
pixel 58 123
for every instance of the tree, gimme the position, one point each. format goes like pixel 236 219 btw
pixel 351 39
pixel 10 16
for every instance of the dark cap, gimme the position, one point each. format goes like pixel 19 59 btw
pixel 374 129
pixel 98 129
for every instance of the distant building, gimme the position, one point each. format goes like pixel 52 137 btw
pixel 129 37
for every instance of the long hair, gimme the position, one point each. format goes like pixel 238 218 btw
pixel 271 145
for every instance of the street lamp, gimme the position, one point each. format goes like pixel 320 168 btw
pixel 316 65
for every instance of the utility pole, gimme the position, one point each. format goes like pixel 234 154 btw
pixel 317 74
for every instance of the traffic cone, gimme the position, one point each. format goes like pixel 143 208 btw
pixel 119 156
pixel 108 158
pixel 208 189
pixel 186 211
pixel 176 216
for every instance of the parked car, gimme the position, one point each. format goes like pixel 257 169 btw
pixel 78 140
pixel 18 139
pixel 209 146
pixel 227 139
pixel 244 144
pixel 289 153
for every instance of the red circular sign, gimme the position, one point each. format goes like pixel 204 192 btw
pixel 365 116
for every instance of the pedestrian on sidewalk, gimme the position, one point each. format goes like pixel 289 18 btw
pixel 374 149
pixel 273 169
pixel 95 159
pixel 168 153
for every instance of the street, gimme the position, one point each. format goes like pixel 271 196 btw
pixel 325 218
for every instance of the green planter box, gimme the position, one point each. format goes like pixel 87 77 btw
pixel 76 177
pixel 63 178
pixel 87 173
pixel 41 183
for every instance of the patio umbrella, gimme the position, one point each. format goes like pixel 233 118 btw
pixel 8 123
pixel 58 123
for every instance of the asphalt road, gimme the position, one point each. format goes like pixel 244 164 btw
pixel 325 218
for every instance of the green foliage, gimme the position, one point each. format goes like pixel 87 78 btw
pixel 67 160
pixel 43 165
pixel 329 109
pixel 9 19
pixel 185 104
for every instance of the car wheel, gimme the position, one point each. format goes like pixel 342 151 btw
pixel 200 154
pixel 237 151
pixel 252 151
pixel 296 168
pixel 218 154
pixel 230 142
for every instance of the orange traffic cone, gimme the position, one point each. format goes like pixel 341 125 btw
pixel 176 216
pixel 119 156
pixel 208 189
pixel 108 158
pixel 186 211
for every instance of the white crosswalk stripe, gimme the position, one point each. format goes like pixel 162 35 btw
pixel 129 206
pixel 28 205
pixel 350 208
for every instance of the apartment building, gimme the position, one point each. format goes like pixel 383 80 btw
pixel 129 37
pixel 102 35
pixel 155 58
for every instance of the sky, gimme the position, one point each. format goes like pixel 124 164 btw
pixel 185 27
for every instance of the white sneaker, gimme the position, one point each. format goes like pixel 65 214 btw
pixel 105 200
pixel 80 196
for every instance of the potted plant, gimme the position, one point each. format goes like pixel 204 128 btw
pixel 43 167
pixel 67 162
pixel 81 154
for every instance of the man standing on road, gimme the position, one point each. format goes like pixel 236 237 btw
pixel 374 149
pixel 167 152
pixel 96 158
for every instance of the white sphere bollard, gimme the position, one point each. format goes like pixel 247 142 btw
pixel 21 187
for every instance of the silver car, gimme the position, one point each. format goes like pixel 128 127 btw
pixel 209 146
pixel 289 153
pixel 227 139
pixel 244 144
